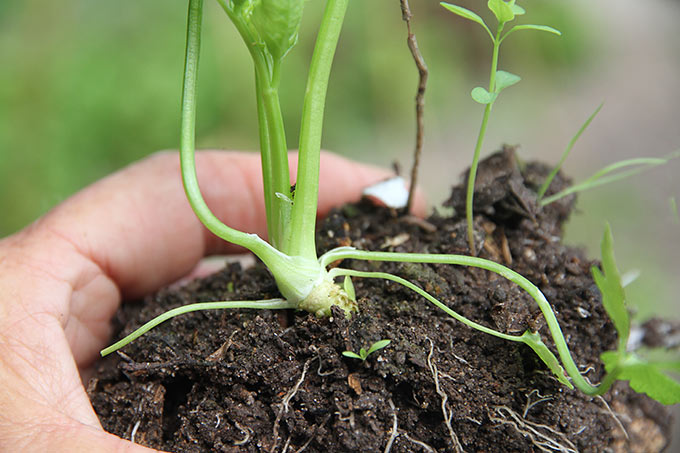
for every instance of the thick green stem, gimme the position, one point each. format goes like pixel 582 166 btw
pixel 469 213
pixel 556 332
pixel 303 217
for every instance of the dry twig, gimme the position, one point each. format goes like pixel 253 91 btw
pixel 420 98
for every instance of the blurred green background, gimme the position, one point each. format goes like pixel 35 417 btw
pixel 88 86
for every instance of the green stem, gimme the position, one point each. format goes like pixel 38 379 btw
pixel 303 216
pixel 268 304
pixel 278 263
pixel 337 272
pixel 507 273
pixel 187 135
pixel 469 215
pixel 529 338
pixel 265 154
pixel 273 147
pixel 274 151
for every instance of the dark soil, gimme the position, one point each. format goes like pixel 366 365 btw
pixel 254 381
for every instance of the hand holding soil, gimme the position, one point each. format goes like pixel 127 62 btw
pixel 63 278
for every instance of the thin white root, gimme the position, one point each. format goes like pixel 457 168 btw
pixel 445 410
pixel 284 405
pixel 395 428
pixel 539 399
pixel 247 431
pixel 134 431
pixel 544 437
pixel 606 406
pixel 614 416
pixel 396 433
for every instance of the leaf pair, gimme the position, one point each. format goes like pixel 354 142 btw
pixel 504 12
pixel 363 353
pixel 504 79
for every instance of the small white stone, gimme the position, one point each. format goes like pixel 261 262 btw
pixel 390 192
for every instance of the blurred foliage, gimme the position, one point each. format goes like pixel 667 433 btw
pixel 88 86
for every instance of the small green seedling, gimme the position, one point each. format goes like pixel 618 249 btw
pixel 363 353
pixel 504 12
pixel 645 375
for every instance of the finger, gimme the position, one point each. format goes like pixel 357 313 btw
pixel 138 227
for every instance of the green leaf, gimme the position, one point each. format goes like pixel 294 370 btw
pixel 378 345
pixel 278 22
pixel 482 96
pixel 544 28
pixel 352 355
pixel 505 79
pixel 572 142
pixel 673 366
pixel 467 14
pixel 603 176
pixel 363 354
pixel 645 377
pixel 613 296
pixel 349 288
pixel 533 340
pixel 502 10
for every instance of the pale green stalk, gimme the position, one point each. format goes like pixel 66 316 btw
pixel 303 215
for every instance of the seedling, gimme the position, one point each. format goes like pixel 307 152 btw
pixel 610 173
pixel 565 154
pixel 645 376
pixel 363 353
pixel 504 12
pixel 269 29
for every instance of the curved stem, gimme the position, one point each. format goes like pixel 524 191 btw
pixel 337 272
pixel 531 339
pixel 303 216
pixel 507 273
pixel 274 260
pixel 267 304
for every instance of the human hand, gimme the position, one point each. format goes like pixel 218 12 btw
pixel 63 278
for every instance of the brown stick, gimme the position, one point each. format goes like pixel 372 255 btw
pixel 420 99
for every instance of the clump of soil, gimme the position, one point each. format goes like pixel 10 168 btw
pixel 252 381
